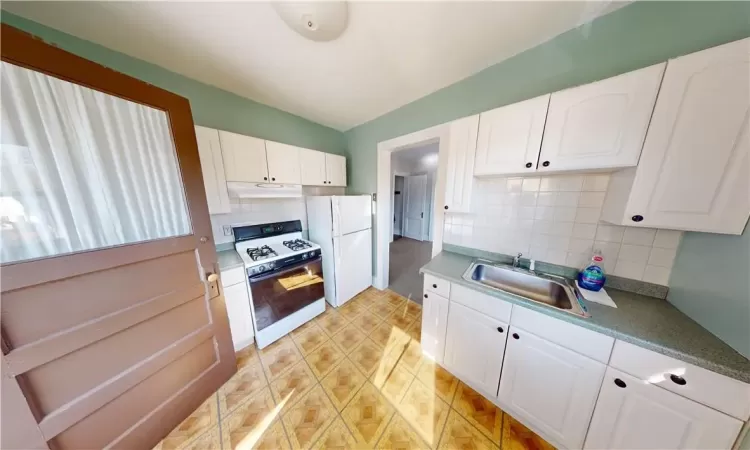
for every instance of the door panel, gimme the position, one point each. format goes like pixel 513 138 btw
pixel 312 167
pixel 117 344
pixel 244 157
pixel 283 163
pixel 212 166
pixel 434 323
pixel 353 264
pixel 353 213
pixel 459 179
pixel 415 205
pixel 336 169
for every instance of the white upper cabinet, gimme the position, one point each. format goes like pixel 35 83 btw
pixel 244 157
pixel 693 173
pixel 549 386
pixel 510 138
pixel 312 166
pixel 631 413
pixel 600 125
pixel 283 163
pixel 212 167
pixel 462 142
pixel 335 170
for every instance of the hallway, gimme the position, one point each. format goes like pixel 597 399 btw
pixel 406 257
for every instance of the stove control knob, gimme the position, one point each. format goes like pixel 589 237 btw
pixel 261 268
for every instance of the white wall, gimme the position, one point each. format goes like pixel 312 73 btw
pixel 404 162
pixel 556 219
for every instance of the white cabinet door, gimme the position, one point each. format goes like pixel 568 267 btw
pixel 434 325
pixel 244 157
pixel 462 143
pixel 600 125
pixel 693 174
pixel 283 163
pixel 634 414
pixel 550 387
pixel 336 170
pixel 312 165
pixel 212 167
pixel 474 347
pixel 510 138
pixel 238 310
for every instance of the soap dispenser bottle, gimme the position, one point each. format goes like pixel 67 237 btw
pixel 592 276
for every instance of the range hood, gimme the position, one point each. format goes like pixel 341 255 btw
pixel 263 190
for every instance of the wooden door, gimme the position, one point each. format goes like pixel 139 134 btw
pixel 510 138
pixel 415 205
pixel 283 163
pixel 113 326
pixel 634 414
pixel 478 365
pixel 459 181
pixel 212 167
pixel 693 173
pixel 549 387
pixel 312 166
pixel 600 125
pixel 336 170
pixel 434 325
pixel 244 158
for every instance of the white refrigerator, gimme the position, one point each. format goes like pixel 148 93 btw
pixel 342 226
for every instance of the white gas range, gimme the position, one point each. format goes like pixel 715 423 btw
pixel 285 277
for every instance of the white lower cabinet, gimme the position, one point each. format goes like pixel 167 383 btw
pixel 240 318
pixel 474 347
pixel 549 387
pixel 434 324
pixel 635 414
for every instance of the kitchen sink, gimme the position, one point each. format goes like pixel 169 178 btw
pixel 551 290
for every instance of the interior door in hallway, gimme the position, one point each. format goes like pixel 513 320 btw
pixel 415 205
pixel 113 326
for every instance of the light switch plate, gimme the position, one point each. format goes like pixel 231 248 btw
pixel 227 230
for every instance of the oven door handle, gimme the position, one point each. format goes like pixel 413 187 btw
pixel 274 274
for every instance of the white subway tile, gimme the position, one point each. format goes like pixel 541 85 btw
pixel 634 253
pixel 528 199
pixel 512 199
pixel 544 213
pixel 639 236
pixel 542 226
pixel 609 250
pixel 564 214
pixel 564 229
pixel 667 238
pixel 628 269
pixel 609 233
pixel 592 199
pixel 662 257
pixel 581 246
pixel 514 185
pixel 556 256
pixel 569 183
pixel 526 212
pixel 577 260
pixel 548 184
pixel 584 230
pixel 587 215
pixel 567 199
pixel 531 184
pixel 559 243
pixel 546 199
pixel 658 275
pixel 596 183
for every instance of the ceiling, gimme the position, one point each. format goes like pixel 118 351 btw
pixel 390 54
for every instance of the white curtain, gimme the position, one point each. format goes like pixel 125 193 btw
pixel 80 169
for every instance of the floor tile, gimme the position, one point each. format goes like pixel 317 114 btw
pixel 247 357
pixel 369 357
pixel 310 340
pixel 367 322
pixel 374 292
pixel 424 411
pixel 305 327
pixel 240 387
pixel 279 357
pixel 438 379
pixel 250 421
pixel 333 324
pixel 381 308
pixel 400 435
pixel 292 385
pixel 412 357
pixel 394 299
pixel 367 415
pixel 392 383
pixel 459 433
pixel 201 420
pixel 352 309
pixel 209 440
pixel 343 383
pixel 306 421
pixel 517 437
pixel 348 338
pixel 415 330
pixel 325 358
pixel 389 336
pixel 479 411
pixel 271 437
pixel 398 319
pixel 337 437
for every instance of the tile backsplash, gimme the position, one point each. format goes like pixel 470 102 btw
pixel 556 219
pixel 253 211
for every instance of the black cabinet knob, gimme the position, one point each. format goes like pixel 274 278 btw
pixel 515 336
pixel 676 379
pixel 425 296
pixel 446 206
pixel 500 329
pixel 637 218
pixel 620 383
pixel 273 179
pixel 545 163
pixel 434 286
pixel 265 178
pixel 528 165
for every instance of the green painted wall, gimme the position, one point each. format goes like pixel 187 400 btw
pixel 211 106
pixel 635 36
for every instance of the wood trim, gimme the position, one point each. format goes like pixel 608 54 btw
pixel 69 414
pixel 33 355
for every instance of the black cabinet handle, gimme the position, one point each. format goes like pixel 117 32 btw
pixel 265 178
pixel 500 329
pixel 515 336
pixel 528 165
pixel 620 383
pixel 676 379
pixel 425 296
pixel 637 218
pixel 273 179
pixel 545 163
pixel 434 286
pixel 446 206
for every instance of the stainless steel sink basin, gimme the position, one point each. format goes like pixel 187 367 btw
pixel 557 292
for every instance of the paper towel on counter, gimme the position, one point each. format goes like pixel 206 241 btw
pixel 600 296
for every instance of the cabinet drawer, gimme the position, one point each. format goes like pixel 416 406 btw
pixel 586 342
pixel 722 393
pixel 437 285
pixel 233 276
pixel 486 304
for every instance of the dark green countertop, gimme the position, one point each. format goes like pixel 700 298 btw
pixel 648 322
pixel 228 259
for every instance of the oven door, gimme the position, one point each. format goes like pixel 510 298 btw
pixel 277 295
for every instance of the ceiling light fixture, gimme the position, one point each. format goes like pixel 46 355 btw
pixel 317 21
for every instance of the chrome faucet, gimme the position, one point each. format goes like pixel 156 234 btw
pixel 517 260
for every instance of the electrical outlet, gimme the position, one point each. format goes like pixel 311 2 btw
pixel 227 230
